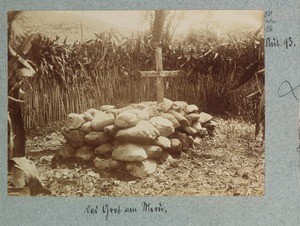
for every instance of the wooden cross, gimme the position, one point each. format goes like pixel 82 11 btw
pixel 160 74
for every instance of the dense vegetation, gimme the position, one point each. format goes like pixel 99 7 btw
pixel 105 70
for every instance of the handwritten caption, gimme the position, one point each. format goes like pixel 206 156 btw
pixel 273 41
pixel 106 210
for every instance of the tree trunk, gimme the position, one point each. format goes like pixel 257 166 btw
pixel 159 20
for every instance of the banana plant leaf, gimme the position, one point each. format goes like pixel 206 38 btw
pixel 28 167
pixel 249 74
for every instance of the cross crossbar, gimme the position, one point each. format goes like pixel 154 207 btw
pixel 159 74
pixel 150 74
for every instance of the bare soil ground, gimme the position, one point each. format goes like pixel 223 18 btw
pixel 229 164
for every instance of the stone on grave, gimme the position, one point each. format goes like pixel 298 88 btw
pixel 86 127
pixel 96 138
pixel 190 130
pixel 107 107
pixel 184 139
pixel 181 111
pixel 142 133
pixel 178 104
pixel 194 116
pixel 126 119
pixel 101 120
pixel 152 151
pixel 115 112
pixel 111 130
pixel 73 137
pixel 189 119
pixel 162 142
pixel 129 152
pixel 192 108
pixel 74 121
pixel 165 105
pixel 141 105
pixel 197 126
pixel 180 118
pixel 176 145
pixel 164 126
pixel 87 116
pixel 152 111
pixel 204 118
pixel 141 169
pixel 103 149
pixel 92 111
pixel 141 115
pixel 165 157
pixel 172 118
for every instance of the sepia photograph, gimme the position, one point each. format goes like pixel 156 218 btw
pixel 136 103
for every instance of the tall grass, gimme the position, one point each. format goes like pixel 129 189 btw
pixel 105 70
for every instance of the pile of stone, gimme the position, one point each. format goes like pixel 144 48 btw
pixel 137 137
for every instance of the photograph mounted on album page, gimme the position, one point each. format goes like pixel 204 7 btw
pixel 146 115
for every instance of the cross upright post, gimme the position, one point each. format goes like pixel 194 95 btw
pixel 159 74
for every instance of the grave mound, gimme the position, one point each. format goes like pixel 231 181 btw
pixel 135 138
